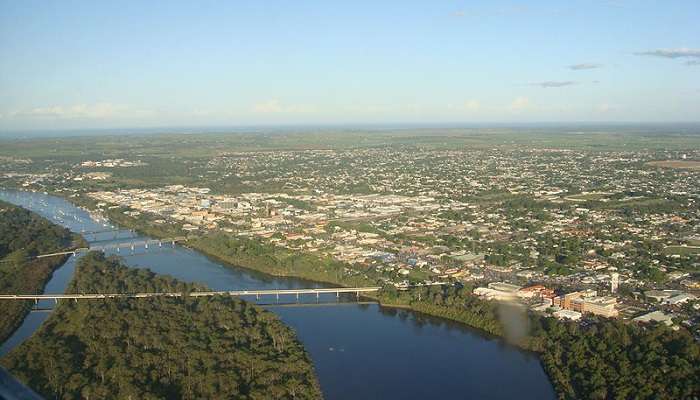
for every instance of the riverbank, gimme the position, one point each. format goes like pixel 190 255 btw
pixel 263 258
pixel 14 312
pixel 583 361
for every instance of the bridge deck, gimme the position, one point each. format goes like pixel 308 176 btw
pixel 267 292
pixel 109 245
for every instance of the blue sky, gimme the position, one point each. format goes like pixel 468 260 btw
pixel 101 64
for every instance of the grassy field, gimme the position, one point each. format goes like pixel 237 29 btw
pixel 682 250
pixel 596 138
pixel 587 196
pixel 678 164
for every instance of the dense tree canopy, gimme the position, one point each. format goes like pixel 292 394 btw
pixel 190 348
pixel 261 256
pixel 615 360
pixel 23 230
pixel 22 235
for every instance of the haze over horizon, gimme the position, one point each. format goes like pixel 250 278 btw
pixel 79 65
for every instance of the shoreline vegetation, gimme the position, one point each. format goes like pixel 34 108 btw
pixel 608 359
pixel 183 347
pixel 23 234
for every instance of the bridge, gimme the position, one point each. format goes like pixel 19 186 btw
pixel 114 246
pixel 118 246
pixel 63 253
pixel 236 293
pixel 115 232
pixel 132 244
pixel 84 232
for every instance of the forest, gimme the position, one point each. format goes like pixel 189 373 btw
pixel 24 234
pixel 183 347
pixel 607 359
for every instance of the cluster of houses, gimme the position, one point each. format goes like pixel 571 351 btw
pixel 112 163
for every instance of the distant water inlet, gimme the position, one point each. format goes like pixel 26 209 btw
pixel 359 350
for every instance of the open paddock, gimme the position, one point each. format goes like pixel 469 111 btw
pixel 677 164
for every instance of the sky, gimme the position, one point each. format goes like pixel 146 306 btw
pixel 116 64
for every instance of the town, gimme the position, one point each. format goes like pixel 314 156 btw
pixel 566 232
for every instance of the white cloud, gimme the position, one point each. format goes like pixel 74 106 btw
pixel 469 105
pixel 605 107
pixel 691 55
pixel 583 66
pixel 78 111
pixel 472 105
pixel 275 107
pixel 520 104
pixel 672 53
pixel 553 84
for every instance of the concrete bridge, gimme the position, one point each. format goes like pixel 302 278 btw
pixel 237 293
pixel 118 246
pixel 114 231
pixel 132 244
pixel 62 253
pixel 84 232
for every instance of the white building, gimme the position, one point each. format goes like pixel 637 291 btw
pixel 494 294
pixel 567 314
pixel 680 299
pixel 614 282
pixel 655 316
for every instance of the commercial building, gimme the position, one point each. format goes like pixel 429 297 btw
pixel 588 302
pixel 537 292
pixel 614 282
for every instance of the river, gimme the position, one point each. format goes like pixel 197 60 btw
pixel 360 351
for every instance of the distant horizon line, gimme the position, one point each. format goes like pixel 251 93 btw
pixel 195 129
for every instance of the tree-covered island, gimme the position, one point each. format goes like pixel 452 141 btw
pixel 23 235
pixel 166 347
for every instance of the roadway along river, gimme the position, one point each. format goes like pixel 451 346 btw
pixel 360 351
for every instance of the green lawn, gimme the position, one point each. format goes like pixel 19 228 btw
pixel 682 250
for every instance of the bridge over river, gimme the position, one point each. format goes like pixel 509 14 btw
pixel 131 244
pixel 237 293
